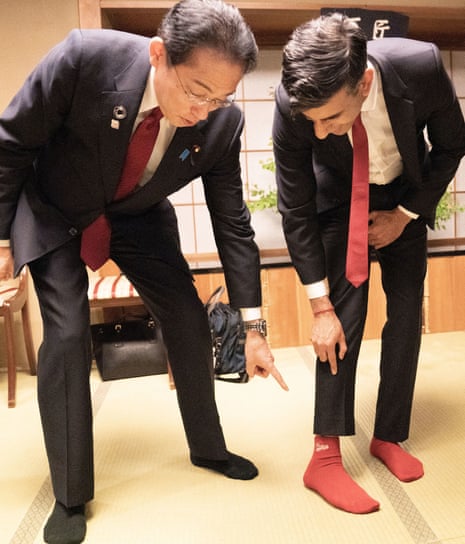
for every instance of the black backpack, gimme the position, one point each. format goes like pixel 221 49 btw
pixel 228 339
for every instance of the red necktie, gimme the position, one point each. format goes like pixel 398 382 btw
pixel 95 242
pixel 357 245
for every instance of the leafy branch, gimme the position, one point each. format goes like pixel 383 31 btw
pixel 264 198
pixel 446 208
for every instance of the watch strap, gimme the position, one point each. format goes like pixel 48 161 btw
pixel 259 326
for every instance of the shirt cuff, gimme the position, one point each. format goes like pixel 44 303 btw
pixel 410 214
pixel 250 314
pixel 4 243
pixel 317 289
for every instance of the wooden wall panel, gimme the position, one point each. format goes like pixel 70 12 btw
pixel 280 298
pixel 207 283
pixel 89 14
pixel 445 294
pixel 287 309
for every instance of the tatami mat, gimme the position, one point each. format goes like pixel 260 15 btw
pixel 147 492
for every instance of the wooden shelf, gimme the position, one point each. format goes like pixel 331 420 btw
pixel 273 21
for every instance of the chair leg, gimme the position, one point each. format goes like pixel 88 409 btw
pixel 11 361
pixel 170 378
pixel 30 351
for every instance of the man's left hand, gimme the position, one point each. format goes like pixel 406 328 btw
pixel 260 360
pixel 386 226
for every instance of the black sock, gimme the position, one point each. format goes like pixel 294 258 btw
pixel 66 525
pixel 234 466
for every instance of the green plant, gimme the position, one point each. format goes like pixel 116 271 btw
pixel 269 165
pixel 264 198
pixel 446 208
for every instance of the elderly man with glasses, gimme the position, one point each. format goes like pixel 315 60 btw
pixel 64 141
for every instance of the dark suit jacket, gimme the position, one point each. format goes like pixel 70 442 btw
pixel 60 158
pixel 314 175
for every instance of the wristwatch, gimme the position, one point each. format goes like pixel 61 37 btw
pixel 258 325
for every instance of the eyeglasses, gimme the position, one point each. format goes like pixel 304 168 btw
pixel 204 100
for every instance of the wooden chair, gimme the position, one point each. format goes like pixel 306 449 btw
pixel 14 298
pixel 108 288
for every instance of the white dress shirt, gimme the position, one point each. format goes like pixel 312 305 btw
pixel 165 135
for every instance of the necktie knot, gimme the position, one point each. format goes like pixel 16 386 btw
pixel 152 120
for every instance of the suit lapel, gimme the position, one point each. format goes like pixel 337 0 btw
pixel 402 119
pixel 115 135
pixel 402 116
pixel 180 164
pixel 119 108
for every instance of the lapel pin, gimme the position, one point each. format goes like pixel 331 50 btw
pixel 119 112
pixel 195 150
pixel 183 156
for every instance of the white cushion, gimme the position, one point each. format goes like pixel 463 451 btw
pixel 106 287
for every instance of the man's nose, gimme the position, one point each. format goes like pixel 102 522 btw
pixel 321 129
pixel 201 111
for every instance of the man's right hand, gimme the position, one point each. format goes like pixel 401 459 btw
pixel 328 338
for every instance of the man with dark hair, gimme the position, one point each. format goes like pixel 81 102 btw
pixel 337 90
pixel 64 204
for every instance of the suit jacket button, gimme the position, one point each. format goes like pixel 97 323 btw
pixel 72 231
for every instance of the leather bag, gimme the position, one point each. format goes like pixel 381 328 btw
pixel 228 339
pixel 129 349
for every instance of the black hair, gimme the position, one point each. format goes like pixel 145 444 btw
pixel 323 56
pixel 213 24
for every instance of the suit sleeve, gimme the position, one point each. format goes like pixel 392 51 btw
pixel 33 116
pixel 297 191
pixel 229 214
pixel 438 111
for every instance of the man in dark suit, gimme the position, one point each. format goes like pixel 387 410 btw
pixel 63 142
pixel 401 89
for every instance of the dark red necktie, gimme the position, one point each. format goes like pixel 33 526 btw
pixel 95 242
pixel 357 245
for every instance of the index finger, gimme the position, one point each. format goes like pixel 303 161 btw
pixel 277 376
pixel 332 361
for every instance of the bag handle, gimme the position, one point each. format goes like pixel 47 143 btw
pixel 214 299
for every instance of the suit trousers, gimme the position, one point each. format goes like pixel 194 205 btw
pixel 165 284
pixel 403 269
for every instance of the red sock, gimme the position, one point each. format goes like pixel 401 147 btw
pixel 326 475
pixel 403 465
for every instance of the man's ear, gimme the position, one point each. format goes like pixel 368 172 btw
pixel 157 51
pixel 367 80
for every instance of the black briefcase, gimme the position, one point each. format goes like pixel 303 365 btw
pixel 129 349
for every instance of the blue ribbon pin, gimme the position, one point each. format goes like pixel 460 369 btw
pixel 183 156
